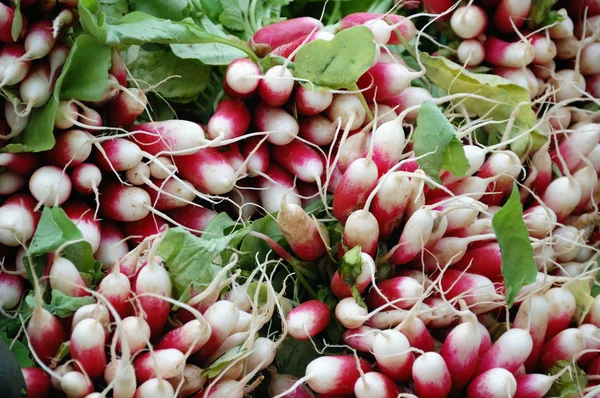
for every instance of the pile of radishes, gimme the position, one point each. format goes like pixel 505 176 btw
pixel 414 262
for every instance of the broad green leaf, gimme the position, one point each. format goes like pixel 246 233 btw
pixel 583 299
pixel 218 226
pixel 233 15
pixel 190 259
pixel 114 9
pixel 12 383
pixel 186 77
pixel 504 97
pixel 19 350
pixel 571 382
pixel 338 63
pixel 17 22
pixel 223 361
pixel 518 265
pixel 351 266
pixel 541 14
pixel 60 304
pixel 167 9
pixel 293 356
pixel 212 8
pixel 434 133
pixel 254 247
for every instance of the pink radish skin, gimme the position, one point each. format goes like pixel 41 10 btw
pixel 341 290
pixel 591 334
pixel 65 278
pixel 418 335
pixel 169 362
pixel 562 309
pixel 564 346
pixel 431 376
pixel 13 67
pixel 171 193
pixel 361 338
pixel 283 382
pixel 123 203
pixel 288 50
pixel 72 148
pixel 374 384
pixel 410 97
pixel 389 78
pixel 509 352
pixel 357 183
pixel 208 170
pixel 438 7
pixel 37 382
pixel 86 178
pixel 7 15
pixel 392 353
pixel 18 221
pixel 139 230
pixel 11 183
pixel 66 113
pixel 45 334
pixel 470 53
pixel 307 320
pixel 317 129
pixel 362 229
pixel 276 86
pixel 470 287
pixel 523 77
pixel 119 154
pixel 126 108
pixel 11 290
pixel 300 160
pixel 222 317
pixel 486 340
pixel 511 10
pixel 87 347
pixel 495 383
pixel 196 218
pixel 403 25
pixel 415 235
pixel 117 67
pixel 20 163
pixel 115 287
pixel 576 146
pixel 460 353
pixel 35 89
pixel 153 278
pixel 240 80
pixel 281 127
pixel 39 40
pixel 311 102
pixel 260 159
pixel 50 185
pixel 469 21
pixel 562 196
pixel 307 237
pixel 76 385
pixel 534 314
pixel 272 194
pixel 388 144
pixel 83 217
pixel 513 55
pixel 485 260
pixel 402 291
pixel 99 312
pixel 190 337
pixel 533 385
pixel 112 245
pixel 277 34
pixel 390 202
pixel 230 120
pixel 334 374
pixel 506 166
pixel 169 136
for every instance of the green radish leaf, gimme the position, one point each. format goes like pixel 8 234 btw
pixel 293 356
pixel 434 133
pixel 596 286
pixel 583 299
pixel 63 306
pixel 263 294
pixel 12 383
pixel 518 265
pixel 55 229
pixel 219 226
pixel 338 63
pixel 234 15
pixel 223 361
pixel 114 9
pixel 504 97
pixel 182 79
pixel 19 350
pixel 541 14
pixel 570 383
pixel 63 351
pixel 351 266
pixel 17 22
pixel 254 247
pixel 167 9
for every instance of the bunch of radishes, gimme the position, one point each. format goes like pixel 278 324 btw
pixel 274 145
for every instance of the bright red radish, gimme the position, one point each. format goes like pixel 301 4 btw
pixel 169 136
pixel 469 21
pixel 123 203
pixel 478 291
pixel 18 220
pixel 388 144
pixel 514 55
pixel 194 217
pixel 118 154
pixel 417 334
pixel 334 374
pixel 591 333
pixel 240 79
pixel 357 183
pixel 167 362
pixel 50 185
pixel 112 245
pixel 361 338
pixel 311 102
pixel 384 80
pixel 307 320
pixel 289 50
pixel 495 383
pixel 401 292
pixel 300 160
pixel 566 345
pixel 87 347
pixel 280 126
pixel 431 376
pixel 190 337
pixel 126 108
pixel 170 193
pixel 533 385
pixel 154 279
pixel 65 278
pixel 39 40
pixel 460 352
pixel 20 163
pixel 374 384
pixel 37 382
pixel 509 352
pixel 13 67
pixel 341 290
pixel 45 333
pixel 277 188
pixel 276 86
pixel 576 146
pixel 260 158
pixel 392 353
pixel 83 217
pixel 415 235
pixel 137 333
pixel 534 314
pixel 222 317
pixel 485 260
pixel 410 97
pixel 115 287
pixel 405 26
pixel 390 201
pixel 230 120
pixel 361 229
pixel 7 18
pixel 281 383
pixel 317 129
pixel 277 34
pixel 11 290
pixel 307 237
pixel 511 14
pixel 562 308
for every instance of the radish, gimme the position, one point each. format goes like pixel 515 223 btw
pixel 138 174
pixel 460 352
pixel 111 91
pixel 281 383
pixel 86 178
pixel 39 40
pixel 87 347
pixel 361 338
pixel 523 77
pixel 99 312
pixel 155 388
pixel 35 89
pixel 569 84
pixel 431 376
pixel 164 362
pixel 317 129
pixel 361 229
pixel 154 279
pixel 566 345
pixel 17 122
pixel 470 52
pixel 76 385
pixel 513 55
pixel 112 245
pixel 11 183
pixel 188 338
pixel 189 382
pixel 306 236
pixel 347 110
pixel 277 34
pixel 137 333
pixel 589 57
pixel 495 383
pixel 170 194
pixel 390 201
pixel 230 120
pixel 311 102
pixel 193 217
pixel 450 250
pixel 438 7
pixel 534 314
pixel 540 221
pixel 341 290
pixel 65 278
pixel 477 291
pixel 401 292
pixel 118 154
pixel 13 68
pixel 168 137
pixel 260 158
pixel 590 333
pixel 389 78
pixel 568 243
pixel 416 234
pixel 83 217
pixel 123 203
pixel 72 148
pixel 357 183
pixel 392 353
pixel 44 331
pixel 562 196
pixel 300 160
pixel 278 188
pixel 240 79
pixel 7 18
pixel 374 384
pixel 50 186
pixel 161 167
pixel 290 49
pixel 18 220
pixel 276 86
pixel 233 340
pixel 222 317
pixel 469 21
pixel 564 28
pixel 37 382
pixel 417 334
pixel 388 144
pixel 509 352
pixel 541 162
pixel 115 287
pixel 401 24
pixel 66 113
pixel 576 146
pixel 262 355
pixel 562 304
pixel 126 108
pixel 485 260
pixel 280 126
pixel 410 97
pixel 511 14
pixel 11 290
pixel 535 385
pixel 350 314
